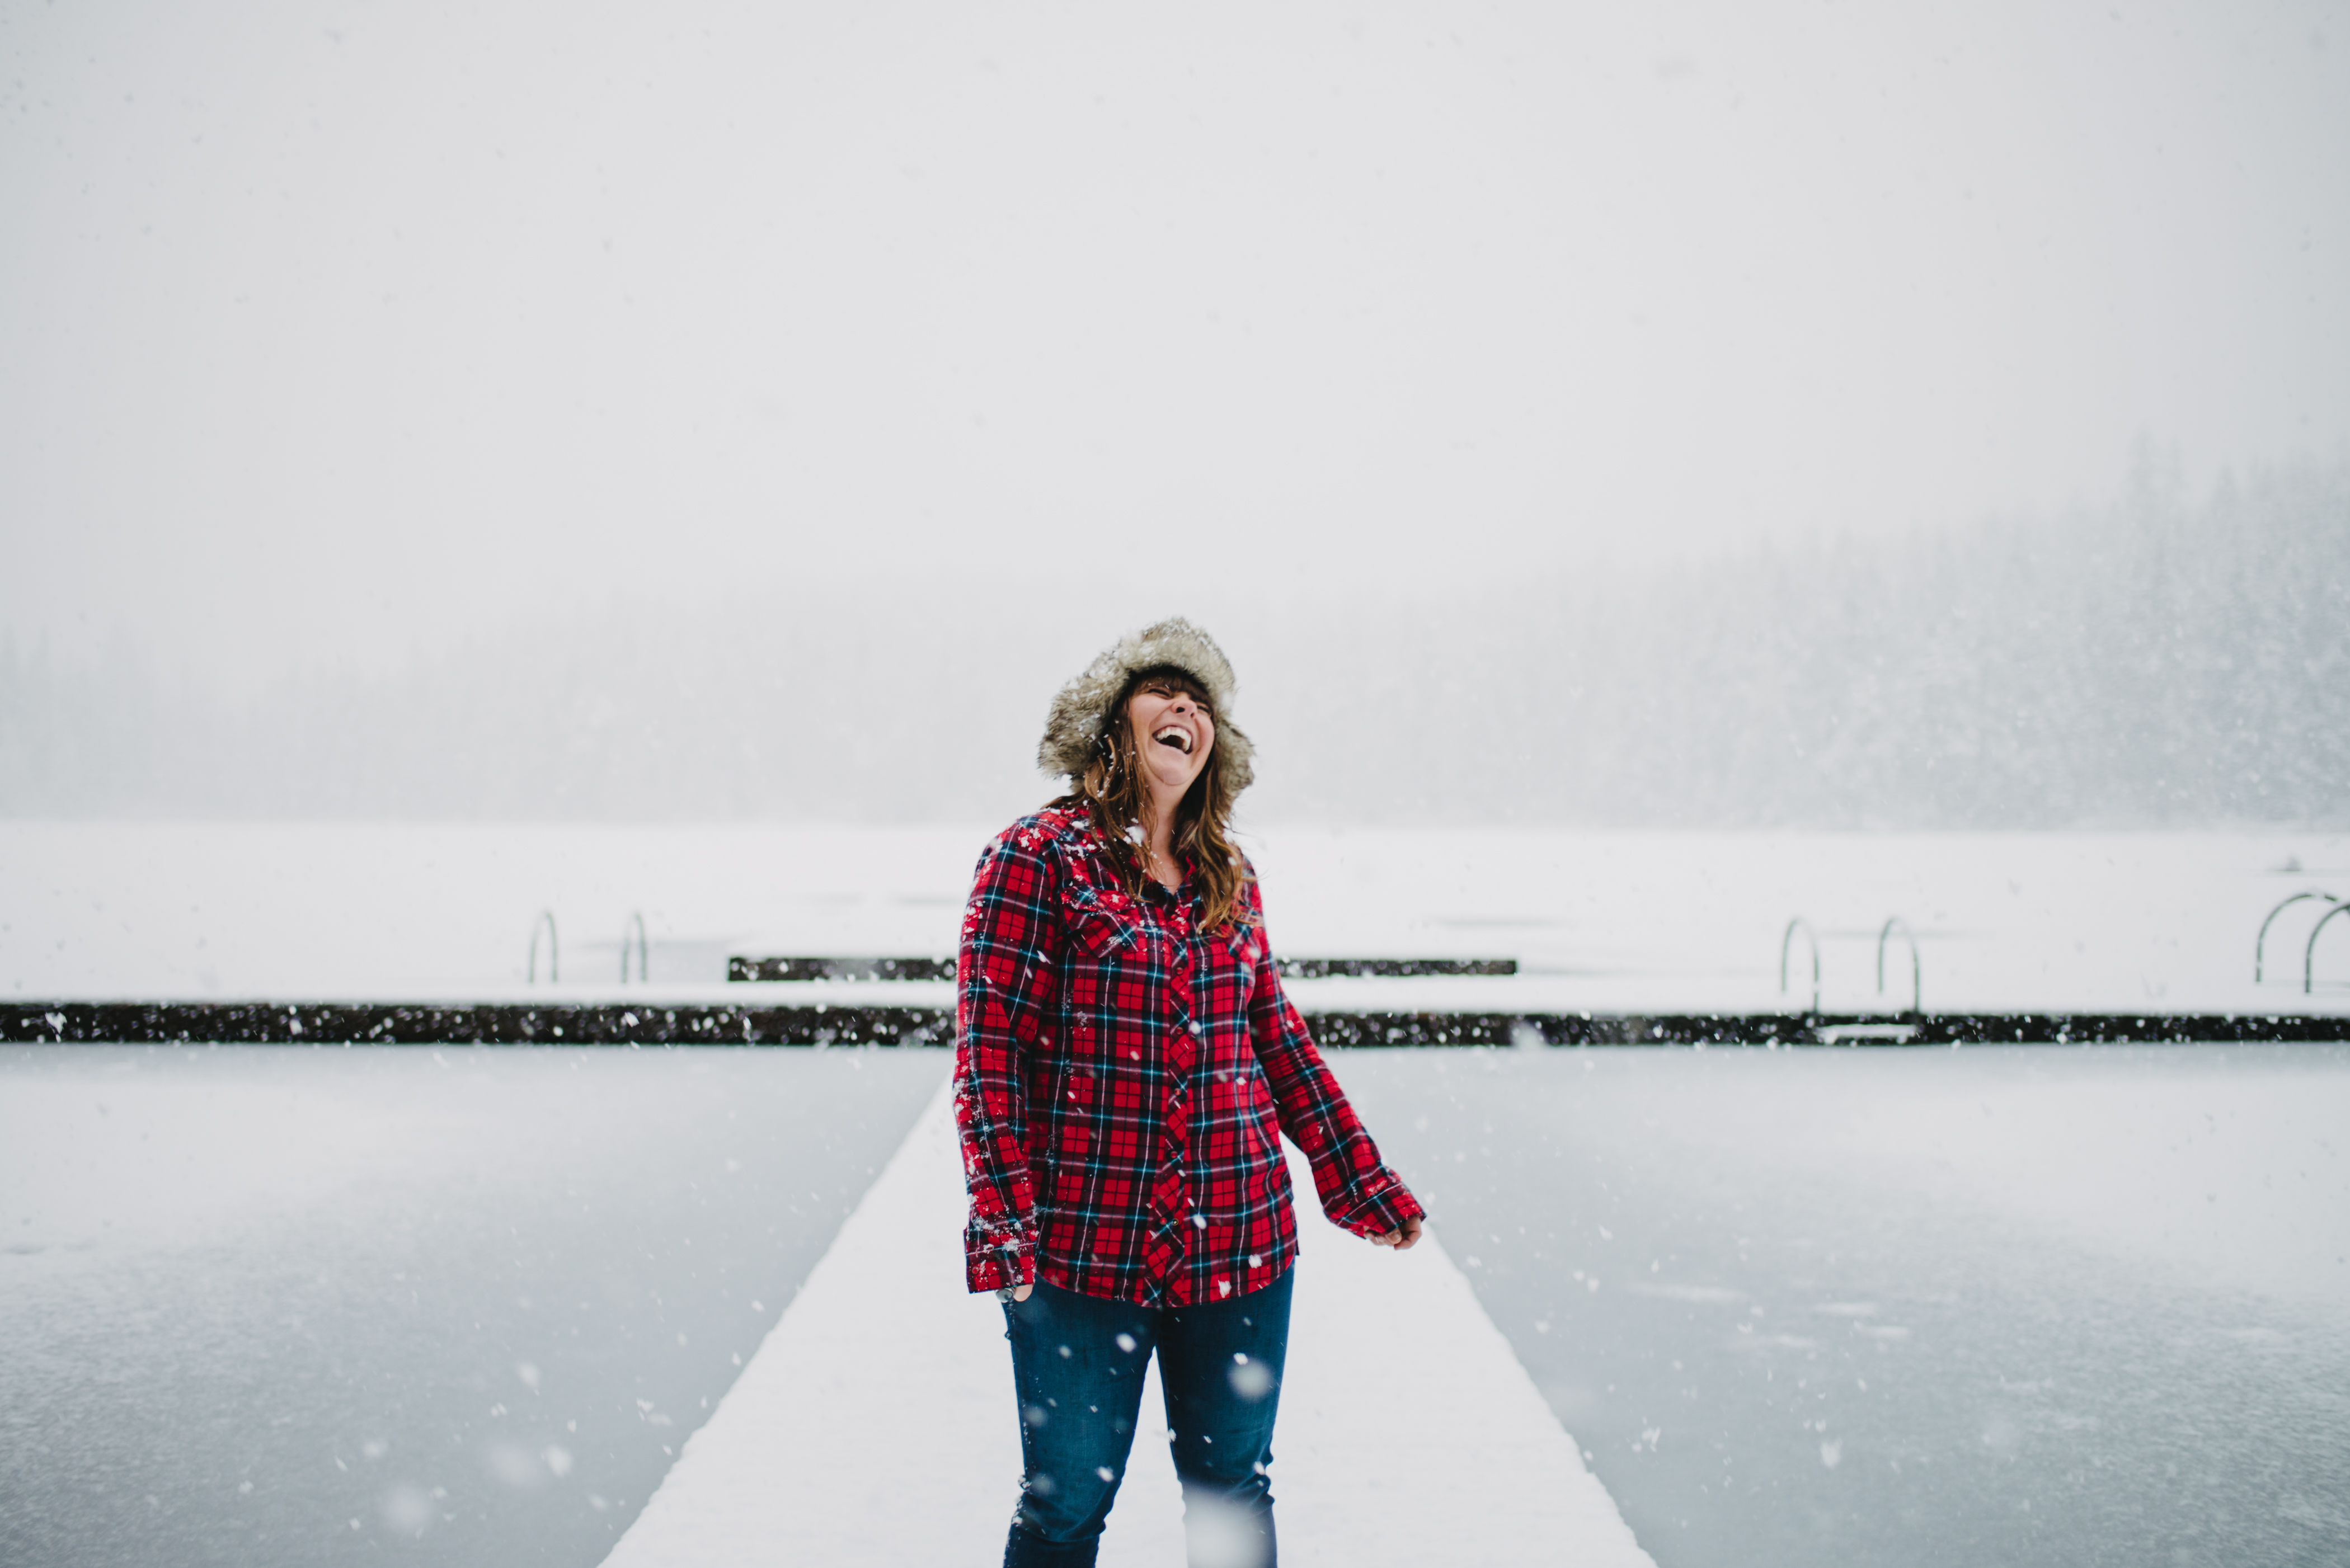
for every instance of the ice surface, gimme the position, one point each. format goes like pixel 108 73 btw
pixel 1985 1308
pixel 289 1308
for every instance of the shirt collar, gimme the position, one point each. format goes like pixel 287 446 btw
pixel 1185 893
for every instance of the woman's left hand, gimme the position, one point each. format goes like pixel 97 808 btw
pixel 1400 1240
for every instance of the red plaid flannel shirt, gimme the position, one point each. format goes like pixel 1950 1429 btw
pixel 1119 1078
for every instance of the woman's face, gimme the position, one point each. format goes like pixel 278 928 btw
pixel 1172 733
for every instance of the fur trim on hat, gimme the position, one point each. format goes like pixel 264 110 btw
pixel 1074 728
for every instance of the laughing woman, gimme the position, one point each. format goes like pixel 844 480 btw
pixel 1125 1064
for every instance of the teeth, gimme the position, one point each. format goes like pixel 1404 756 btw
pixel 1183 736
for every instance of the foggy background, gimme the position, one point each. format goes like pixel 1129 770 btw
pixel 1688 416
pixel 2160 660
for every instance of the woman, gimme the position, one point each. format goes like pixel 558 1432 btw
pixel 1124 1057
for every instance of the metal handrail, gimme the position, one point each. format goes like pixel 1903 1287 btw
pixel 1917 972
pixel 2260 942
pixel 644 962
pixel 1786 944
pixel 2309 953
pixel 545 922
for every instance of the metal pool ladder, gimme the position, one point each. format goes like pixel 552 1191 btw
pixel 545 922
pixel 2309 951
pixel 1786 944
pixel 635 926
pixel 1884 936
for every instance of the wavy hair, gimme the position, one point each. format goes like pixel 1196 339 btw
pixel 1113 789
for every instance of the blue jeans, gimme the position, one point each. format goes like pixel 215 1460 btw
pixel 1077 1365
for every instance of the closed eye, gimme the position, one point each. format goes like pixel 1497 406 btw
pixel 1153 689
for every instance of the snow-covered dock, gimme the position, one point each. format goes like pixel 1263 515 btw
pixel 885 1385
pixel 872 1018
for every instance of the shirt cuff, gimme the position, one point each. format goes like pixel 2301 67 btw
pixel 1378 1205
pixel 998 1256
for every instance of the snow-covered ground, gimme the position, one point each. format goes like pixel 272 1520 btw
pixel 2003 1306
pixel 884 1368
pixel 1631 921
pixel 284 1309
pixel 2036 1306
pixel 1987 1309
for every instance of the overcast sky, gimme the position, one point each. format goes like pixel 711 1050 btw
pixel 332 329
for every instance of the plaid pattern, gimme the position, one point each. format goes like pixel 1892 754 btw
pixel 1122 1080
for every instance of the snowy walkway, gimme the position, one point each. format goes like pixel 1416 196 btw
pixel 875 1425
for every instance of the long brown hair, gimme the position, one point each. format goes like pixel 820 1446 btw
pixel 1112 789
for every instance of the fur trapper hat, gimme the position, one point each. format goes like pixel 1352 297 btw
pixel 1081 714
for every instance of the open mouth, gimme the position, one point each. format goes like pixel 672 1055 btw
pixel 1175 735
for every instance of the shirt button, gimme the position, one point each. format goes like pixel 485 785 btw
pixel 1195 1026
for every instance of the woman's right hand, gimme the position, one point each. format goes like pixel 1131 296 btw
pixel 1021 1293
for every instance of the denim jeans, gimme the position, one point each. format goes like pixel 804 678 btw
pixel 1077 1364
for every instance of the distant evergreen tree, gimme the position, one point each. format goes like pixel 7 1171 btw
pixel 2160 660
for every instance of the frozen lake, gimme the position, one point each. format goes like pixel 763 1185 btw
pixel 1987 1308
pixel 306 1307
pixel 1671 922
pixel 1983 1307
